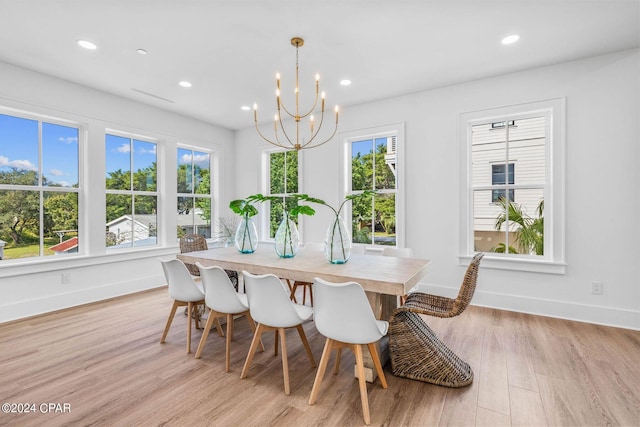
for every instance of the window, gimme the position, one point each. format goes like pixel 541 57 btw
pixel 511 208
pixel 282 169
pixel 499 178
pixel 375 163
pixel 132 194
pixel 39 187
pixel 194 192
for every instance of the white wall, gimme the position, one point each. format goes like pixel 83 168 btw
pixel 603 153
pixel 35 287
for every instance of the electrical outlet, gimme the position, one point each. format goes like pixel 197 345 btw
pixel 596 288
pixel 66 278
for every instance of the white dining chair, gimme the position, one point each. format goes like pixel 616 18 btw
pixel 185 292
pixel 223 301
pixel 270 306
pixel 343 314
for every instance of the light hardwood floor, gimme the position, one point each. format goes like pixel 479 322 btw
pixel 105 361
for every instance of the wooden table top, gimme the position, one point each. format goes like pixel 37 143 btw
pixel 380 274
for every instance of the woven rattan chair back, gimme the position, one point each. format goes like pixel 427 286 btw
pixel 192 243
pixel 439 306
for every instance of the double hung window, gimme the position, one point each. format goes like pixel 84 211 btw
pixel 194 192
pixel 39 187
pixel 132 192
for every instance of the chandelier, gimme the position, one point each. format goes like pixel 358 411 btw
pixel 282 138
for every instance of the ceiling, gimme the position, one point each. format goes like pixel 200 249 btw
pixel 231 50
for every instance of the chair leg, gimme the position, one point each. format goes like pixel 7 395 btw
pixel 292 290
pixel 190 306
pixel 377 364
pixel 172 313
pixel 336 368
pixel 252 325
pixel 275 343
pixel 324 360
pixel 305 343
pixel 252 350
pixel 205 334
pixel 311 293
pixel 228 343
pixel 357 349
pixel 218 326
pixel 285 362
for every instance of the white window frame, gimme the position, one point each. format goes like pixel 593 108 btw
pixel 347 138
pixel 553 260
pixel 41 189
pixel 159 230
pixel 265 213
pixel 213 226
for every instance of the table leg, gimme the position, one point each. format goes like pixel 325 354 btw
pixel 383 306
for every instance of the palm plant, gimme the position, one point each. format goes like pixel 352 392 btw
pixel 529 231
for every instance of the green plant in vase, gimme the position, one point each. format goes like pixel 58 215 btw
pixel 246 237
pixel 337 241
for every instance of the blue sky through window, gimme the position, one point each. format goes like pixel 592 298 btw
pixel 19 149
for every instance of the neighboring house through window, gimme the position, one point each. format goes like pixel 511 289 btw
pixel 194 192
pixel 39 186
pixel 132 193
pixel 512 155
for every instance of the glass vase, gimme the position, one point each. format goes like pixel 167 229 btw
pixel 287 238
pixel 337 248
pixel 246 238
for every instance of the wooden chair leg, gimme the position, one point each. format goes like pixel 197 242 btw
pixel 285 362
pixel 228 342
pixel 252 350
pixel 324 360
pixel 190 306
pixel 357 349
pixel 336 368
pixel 311 293
pixel 205 334
pixel 218 325
pixel 172 314
pixel 252 325
pixel 292 290
pixel 377 364
pixel 305 343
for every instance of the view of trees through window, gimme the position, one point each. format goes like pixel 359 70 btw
pixel 38 188
pixel 194 192
pixel 131 186
pixel 283 180
pixel 374 167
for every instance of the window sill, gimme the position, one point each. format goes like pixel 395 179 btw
pixel 56 263
pixel 513 263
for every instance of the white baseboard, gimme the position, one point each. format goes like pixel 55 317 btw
pixel 49 303
pixel 600 315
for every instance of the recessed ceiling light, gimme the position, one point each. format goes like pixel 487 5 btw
pixel 142 51
pixel 245 108
pixel 345 82
pixel 185 83
pixel 510 39
pixel 87 44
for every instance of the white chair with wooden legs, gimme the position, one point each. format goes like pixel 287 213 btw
pixel 270 306
pixel 223 301
pixel 185 292
pixel 343 314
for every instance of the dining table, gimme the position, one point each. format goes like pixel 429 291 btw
pixel 384 278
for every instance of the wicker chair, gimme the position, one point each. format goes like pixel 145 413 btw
pixel 193 243
pixel 196 242
pixel 416 351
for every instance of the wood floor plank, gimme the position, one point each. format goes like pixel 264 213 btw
pixel 106 362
